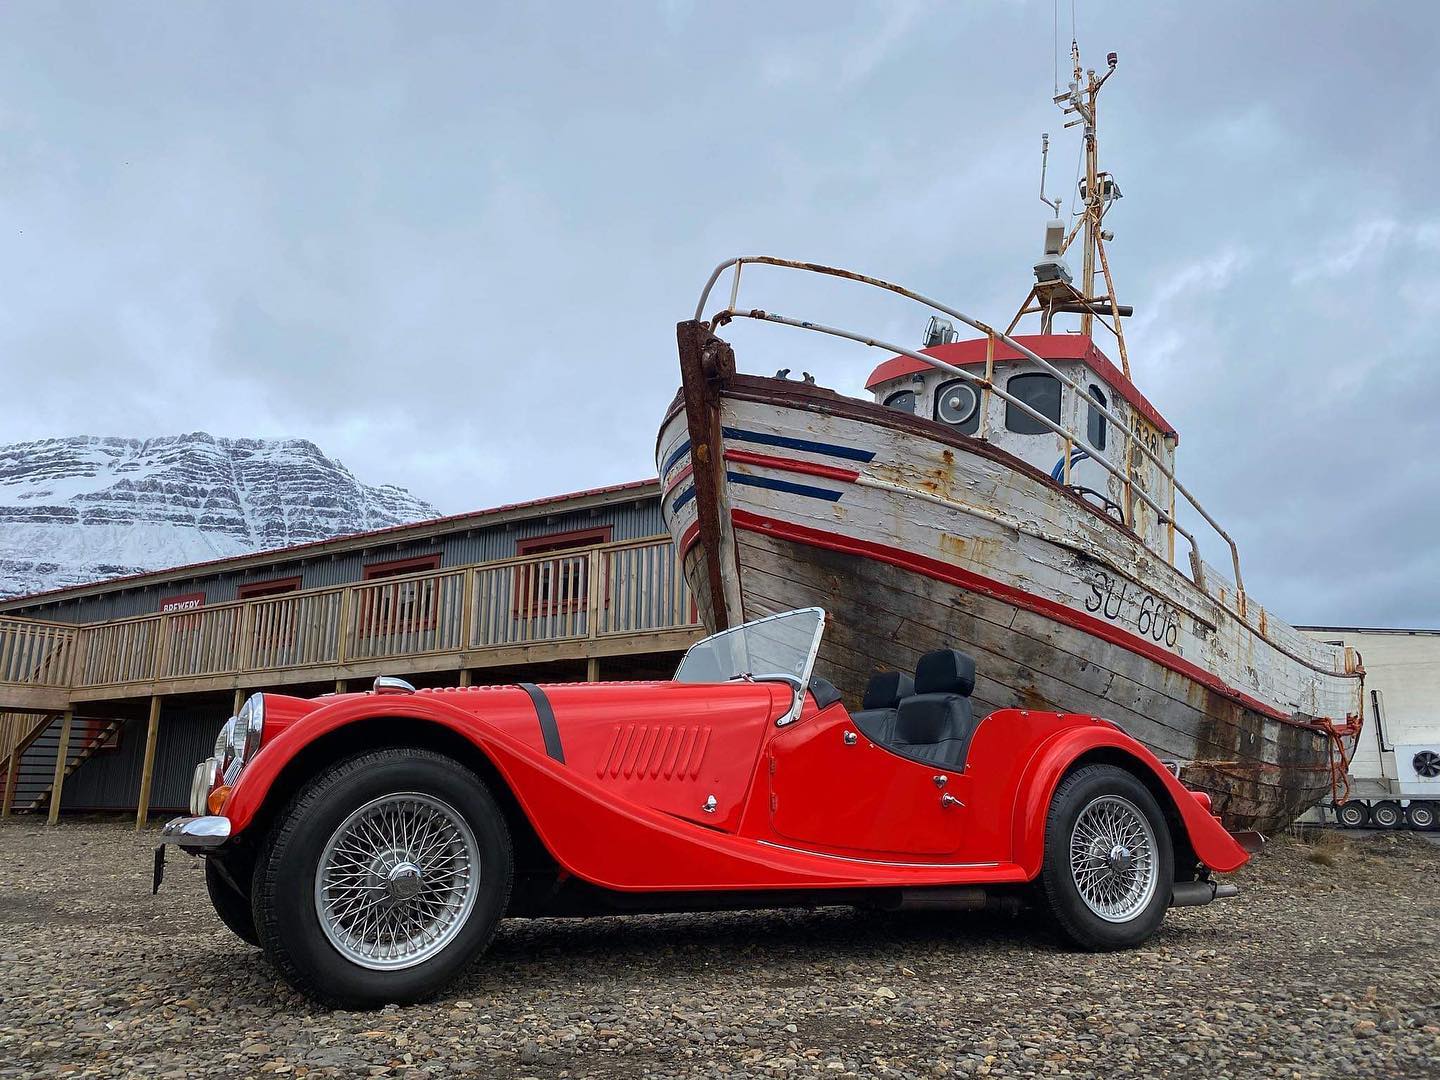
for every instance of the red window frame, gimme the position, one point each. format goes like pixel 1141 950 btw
pixel 271 587
pixel 539 573
pixel 375 614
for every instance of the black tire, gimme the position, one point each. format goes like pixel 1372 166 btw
pixel 1352 814
pixel 1421 815
pixel 230 904
pixel 1386 815
pixel 1075 918
pixel 285 906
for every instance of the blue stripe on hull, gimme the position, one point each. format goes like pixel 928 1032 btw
pixel 849 453
pixel 783 485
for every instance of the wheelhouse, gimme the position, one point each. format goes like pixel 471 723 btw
pixel 910 386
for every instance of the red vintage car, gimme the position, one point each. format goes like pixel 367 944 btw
pixel 370 843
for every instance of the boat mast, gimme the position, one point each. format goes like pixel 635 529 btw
pixel 1054 293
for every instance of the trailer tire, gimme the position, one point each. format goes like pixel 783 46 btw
pixel 1386 815
pixel 1421 815
pixel 1353 814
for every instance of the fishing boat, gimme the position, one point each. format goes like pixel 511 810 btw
pixel 1013 495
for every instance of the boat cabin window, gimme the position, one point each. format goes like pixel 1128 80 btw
pixel 1041 392
pixel 1095 425
pixel 957 405
pixel 904 400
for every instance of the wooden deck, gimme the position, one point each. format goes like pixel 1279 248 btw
pixel 610 600
pixel 585 604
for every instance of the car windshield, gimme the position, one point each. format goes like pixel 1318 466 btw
pixel 776 647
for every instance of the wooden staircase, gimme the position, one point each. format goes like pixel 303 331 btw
pixel 86 737
pixel 34 742
pixel 19 734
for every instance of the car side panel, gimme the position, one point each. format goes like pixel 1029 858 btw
pixel 607 840
pixel 671 746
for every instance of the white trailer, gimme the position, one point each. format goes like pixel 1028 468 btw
pixel 1395 773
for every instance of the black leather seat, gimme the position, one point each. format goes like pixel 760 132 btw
pixel 936 723
pixel 882 698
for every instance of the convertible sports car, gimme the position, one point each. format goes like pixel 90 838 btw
pixel 370 843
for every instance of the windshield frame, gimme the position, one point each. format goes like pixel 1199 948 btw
pixel 798 685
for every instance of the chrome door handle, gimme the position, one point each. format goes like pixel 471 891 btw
pixel 947 800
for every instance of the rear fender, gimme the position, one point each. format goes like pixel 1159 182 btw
pixel 1055 757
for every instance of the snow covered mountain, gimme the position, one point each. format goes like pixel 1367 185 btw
pixel 82 509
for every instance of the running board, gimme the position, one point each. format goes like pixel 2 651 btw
pixel 1200 893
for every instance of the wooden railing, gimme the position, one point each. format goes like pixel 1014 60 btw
pixel 607 591
pixel 36 653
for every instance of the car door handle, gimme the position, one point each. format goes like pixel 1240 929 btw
pixel 947 800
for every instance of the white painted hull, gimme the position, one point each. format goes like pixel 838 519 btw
pixel 915 538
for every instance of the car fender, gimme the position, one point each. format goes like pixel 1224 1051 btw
pixel 253 786
pixel 1053 758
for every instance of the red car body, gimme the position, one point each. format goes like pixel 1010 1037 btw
pixel 680 788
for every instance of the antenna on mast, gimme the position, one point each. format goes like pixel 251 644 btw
pixel 1055 290
pixel 1054 204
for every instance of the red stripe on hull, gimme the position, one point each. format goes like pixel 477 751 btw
pixel 809 468
pixel 965 579
pixel 679 478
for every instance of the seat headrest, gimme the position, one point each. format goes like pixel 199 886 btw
pixel 945 671
pixel 885 690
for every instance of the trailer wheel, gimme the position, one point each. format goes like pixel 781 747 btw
pixel 385 876
pixel 1421 815
pixel 1386 815
pixel 1352 814
pixel 1109 869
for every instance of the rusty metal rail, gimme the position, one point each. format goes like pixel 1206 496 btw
pixel 986 384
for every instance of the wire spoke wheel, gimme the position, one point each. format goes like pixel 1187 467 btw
pixel 397 881
pixel 1113 858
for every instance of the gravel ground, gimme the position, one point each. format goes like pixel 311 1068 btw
pixel 1326 965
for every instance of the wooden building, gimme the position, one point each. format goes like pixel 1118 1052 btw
pixel 112 691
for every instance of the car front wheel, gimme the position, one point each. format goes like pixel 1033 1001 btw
pixel 383 879
pixel 1109 864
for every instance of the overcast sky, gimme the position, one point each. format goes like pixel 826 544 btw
pixel 449 243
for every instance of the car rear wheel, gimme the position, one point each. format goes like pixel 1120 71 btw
pixel 230 903
pixel 383 879
pixel 1109 863
pixel 1352 815
pixel 1386 815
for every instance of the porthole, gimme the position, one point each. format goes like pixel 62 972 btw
pixel 901 400
pixel 958 406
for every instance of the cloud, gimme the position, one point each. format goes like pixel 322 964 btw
pixel 449 243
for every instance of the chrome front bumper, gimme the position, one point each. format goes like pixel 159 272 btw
pixel 196 832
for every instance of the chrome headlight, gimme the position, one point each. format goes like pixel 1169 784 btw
pixel 239 739
pixel 205 780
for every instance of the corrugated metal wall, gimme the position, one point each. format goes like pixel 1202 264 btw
pixel 633 519
pixel 111 779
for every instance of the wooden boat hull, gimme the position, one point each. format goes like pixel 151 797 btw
pixel 913 537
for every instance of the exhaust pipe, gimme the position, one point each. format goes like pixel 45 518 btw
pixel 1200 893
